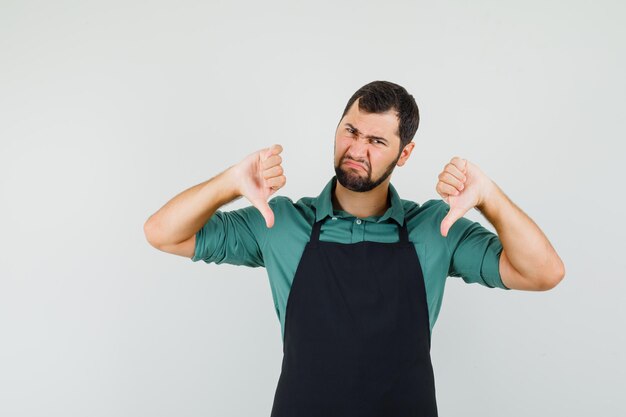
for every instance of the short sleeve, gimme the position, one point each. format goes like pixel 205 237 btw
pixel 233 237
pixel 474 253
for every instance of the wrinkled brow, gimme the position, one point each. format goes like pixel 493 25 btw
pixel 368 136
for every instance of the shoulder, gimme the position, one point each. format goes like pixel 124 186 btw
pixel 424 220
pixel 432 213
pixel 301 212
pixel 293 222
pixel 285 204
pixel 431 210
pixel 280 201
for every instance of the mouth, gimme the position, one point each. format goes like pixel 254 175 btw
pixel 355 165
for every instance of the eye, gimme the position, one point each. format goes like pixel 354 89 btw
pixel 350 130
pixel 378 142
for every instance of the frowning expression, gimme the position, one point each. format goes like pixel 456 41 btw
pixel 367 148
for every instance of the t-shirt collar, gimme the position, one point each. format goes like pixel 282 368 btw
pixel 324 206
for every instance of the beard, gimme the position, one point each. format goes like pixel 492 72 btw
pixel 358 181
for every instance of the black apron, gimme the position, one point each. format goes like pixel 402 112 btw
pixel 357 335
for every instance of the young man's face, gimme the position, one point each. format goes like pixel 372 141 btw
pixel 367 148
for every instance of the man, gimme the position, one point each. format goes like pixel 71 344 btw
pixel 357 274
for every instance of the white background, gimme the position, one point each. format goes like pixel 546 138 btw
pixel 108 109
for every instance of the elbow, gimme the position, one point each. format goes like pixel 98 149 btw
pixel 553 279
pixel 149 233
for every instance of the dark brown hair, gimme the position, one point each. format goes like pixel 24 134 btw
pixel 381 96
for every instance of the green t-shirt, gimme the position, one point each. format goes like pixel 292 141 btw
pixel 240 237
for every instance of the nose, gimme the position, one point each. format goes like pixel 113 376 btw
pixel 358 149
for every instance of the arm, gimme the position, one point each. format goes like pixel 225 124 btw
pixel 528 260
pixel 173 227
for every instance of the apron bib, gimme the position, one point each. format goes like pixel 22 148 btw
pixel 357 335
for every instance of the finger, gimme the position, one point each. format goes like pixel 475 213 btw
pixel 444 188
pixel 271 161
pixel 276 182
pixel 272 172
pixel 455 171
pixel 276 149
pixel 265 210
pixel 459 163
pixel 273 150
pixel 447 222
pixel 450 179
pixel 443 229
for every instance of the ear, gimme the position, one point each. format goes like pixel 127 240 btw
pixel 406 152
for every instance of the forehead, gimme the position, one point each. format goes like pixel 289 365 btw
pixel 377 124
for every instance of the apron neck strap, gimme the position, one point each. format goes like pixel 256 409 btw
pixel 315 235
pixel 404 233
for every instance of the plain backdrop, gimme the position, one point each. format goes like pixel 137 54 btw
pixel 108 109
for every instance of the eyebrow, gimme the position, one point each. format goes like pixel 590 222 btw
pixel 368 136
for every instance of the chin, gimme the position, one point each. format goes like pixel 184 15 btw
pixel 352 181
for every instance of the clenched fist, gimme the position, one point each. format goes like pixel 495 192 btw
pixel 259 176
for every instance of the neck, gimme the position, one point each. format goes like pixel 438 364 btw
pixel 365 204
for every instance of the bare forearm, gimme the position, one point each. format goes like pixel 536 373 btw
pixel 526 246
pixel 186 213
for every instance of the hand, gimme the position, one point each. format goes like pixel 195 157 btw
pixel 463 186
pixel 259 176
